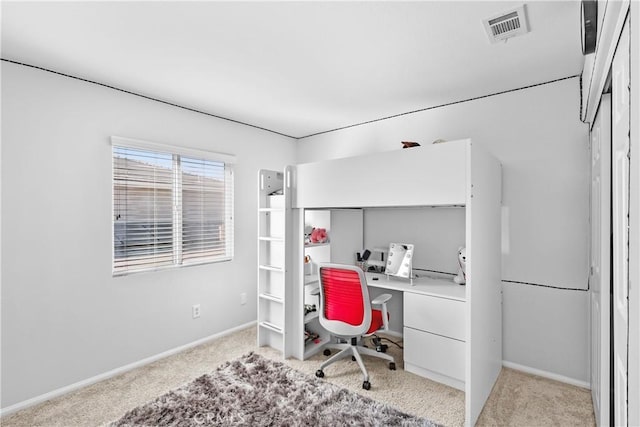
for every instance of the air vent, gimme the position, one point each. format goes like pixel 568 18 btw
pixel 506 25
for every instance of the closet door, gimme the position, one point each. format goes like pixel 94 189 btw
pixel 600 279
pixel 620 191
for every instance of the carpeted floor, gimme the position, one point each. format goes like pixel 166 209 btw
pixel 518 399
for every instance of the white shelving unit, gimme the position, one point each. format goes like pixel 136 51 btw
pixel 273 212
pixel 318 253
pixel 344 228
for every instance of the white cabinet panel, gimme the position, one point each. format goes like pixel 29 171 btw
pixel 438 354
pixel 346 235
pixel 484 289
pixel 393 178
pixel 439 316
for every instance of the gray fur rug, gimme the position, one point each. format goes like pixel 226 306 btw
pixel 255 391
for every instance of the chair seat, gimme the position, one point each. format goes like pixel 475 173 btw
pixel 376 321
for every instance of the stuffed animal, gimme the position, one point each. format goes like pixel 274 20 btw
pixel 461 277
pixel 319 235
pixel 307 233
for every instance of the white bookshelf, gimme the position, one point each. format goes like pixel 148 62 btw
pixel 272 259
pixel 344 229
pixel 318 253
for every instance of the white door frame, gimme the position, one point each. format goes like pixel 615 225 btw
pixel 634 223
pixel 600 272
pixel 620 203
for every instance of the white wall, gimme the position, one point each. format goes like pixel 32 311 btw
pixel 64 318
pixel 543 147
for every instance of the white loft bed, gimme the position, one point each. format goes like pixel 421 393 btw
pixel 455 173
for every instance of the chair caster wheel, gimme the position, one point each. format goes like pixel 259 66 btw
pixel 353 358
pixel 392 366
pixel 319 373
pixel 366 385
pixel 382 348
pixel 326 352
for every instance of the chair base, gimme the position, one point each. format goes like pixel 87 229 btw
pixel 356 352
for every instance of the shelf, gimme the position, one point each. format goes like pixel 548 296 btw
pixel 271 239
pixel 270 268
pixel 271 297
pixel 314 245
pixel 270 326
pixel 313 347
pixel 271 210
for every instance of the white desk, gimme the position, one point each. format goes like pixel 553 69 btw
pixel 437 287
pixel 434 329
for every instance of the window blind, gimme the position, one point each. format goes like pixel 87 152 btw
pixel 206 197
pixel 169 210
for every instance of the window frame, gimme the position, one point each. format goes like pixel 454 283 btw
pixel 178 152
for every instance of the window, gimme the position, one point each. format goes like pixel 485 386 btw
pixel 171 206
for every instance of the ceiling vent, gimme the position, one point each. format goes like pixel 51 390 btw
pixel 506 25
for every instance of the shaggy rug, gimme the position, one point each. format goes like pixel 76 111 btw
pixel 255 391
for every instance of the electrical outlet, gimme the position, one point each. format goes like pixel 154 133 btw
pixel 243 298
pixel 195 311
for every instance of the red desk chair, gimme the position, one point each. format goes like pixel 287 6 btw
pixel 345 311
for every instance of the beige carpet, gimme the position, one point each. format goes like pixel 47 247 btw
pixel 518 399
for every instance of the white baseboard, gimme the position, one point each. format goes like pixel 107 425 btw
pixel 112 373
pixel 546 374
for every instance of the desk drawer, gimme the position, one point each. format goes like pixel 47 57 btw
pixel 438 354
pixel 436 315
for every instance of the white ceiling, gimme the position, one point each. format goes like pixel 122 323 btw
pixel 297 68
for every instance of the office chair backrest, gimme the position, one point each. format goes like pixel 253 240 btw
pixel 345 308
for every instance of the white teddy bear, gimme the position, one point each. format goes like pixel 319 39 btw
pixel 461 277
